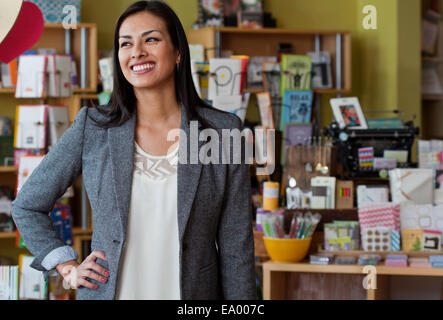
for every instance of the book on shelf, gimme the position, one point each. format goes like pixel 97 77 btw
pixel 8 74
pixel 31 76
pixel 33 284
pixel 9 282
pixel 225 77
pixel 6 197
pixel 430 32
pixel 62 222
pixel 321 66
pixel 58 122
pixel 255 70
pixel 295 72
pixel 296 107
pixel 30 127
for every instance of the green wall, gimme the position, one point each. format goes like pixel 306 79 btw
pixel 106 12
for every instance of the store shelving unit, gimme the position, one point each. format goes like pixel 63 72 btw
pixel 82 44
pixel 265 42
pixel 432 105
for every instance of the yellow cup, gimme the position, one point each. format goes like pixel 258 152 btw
pixel 287 250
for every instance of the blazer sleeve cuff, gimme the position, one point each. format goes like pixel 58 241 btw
pixel 57 256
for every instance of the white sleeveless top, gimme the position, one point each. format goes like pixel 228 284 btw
pixel 150 261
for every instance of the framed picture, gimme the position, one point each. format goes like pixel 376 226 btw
pixel 348 113
pixel 265 107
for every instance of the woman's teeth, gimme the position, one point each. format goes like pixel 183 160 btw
pixel 143 67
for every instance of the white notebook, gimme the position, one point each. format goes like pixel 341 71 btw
pixel 31 127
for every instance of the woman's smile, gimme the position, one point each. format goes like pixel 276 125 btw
pixel 142 68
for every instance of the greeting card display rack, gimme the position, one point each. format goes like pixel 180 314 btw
pixel 265 42
pixel 81 43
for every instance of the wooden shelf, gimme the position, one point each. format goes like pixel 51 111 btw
pixel 432 97
pixel 383 254
pixel 319 91
pixel 74 91
pixel 350 269
pixel 273 31
pixel 11 169
pixel 432 59
pixel 75 232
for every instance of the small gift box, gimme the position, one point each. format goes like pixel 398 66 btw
pixel 374 215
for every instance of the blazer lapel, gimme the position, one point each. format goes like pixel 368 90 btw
pixel 121 145
pixel 188 172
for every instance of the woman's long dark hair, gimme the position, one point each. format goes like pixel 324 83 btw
pixel 123 102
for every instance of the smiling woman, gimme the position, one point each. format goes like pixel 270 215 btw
pixel 163 229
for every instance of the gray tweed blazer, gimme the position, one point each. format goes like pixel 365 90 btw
pixel 214 208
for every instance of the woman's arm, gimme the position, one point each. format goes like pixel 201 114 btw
pixel 235 239
pixel 49 181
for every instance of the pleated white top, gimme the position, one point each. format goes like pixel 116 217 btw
pixel 150 261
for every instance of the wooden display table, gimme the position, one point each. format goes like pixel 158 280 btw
pixel 276 274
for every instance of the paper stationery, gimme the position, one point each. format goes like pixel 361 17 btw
pixel 366 158
pixel 27 165
pixel 9 281
pixel 344 195
pixel 431 240
pixel 411 239
pixel 225 77
pixel 197 52
pixel 329 184
pixel 400 155
pixel 62 222
pixel 255 70
pixel 296 107
pixel 372 215
pixel 202 69
pixel 32 282
pixel 231 104
pixel 376 239
pixel 58 120
pixel 414 216
pixel 243 71
pixel 414 185
pixel 107 74
pixel 272 78
pixel 321 65
pixel 265 107
pixel 31 76
pixel 195 78
pixel 30 127
pixel 371 194
pixel 296 72
pixel 6 223
pixel 395 240
pixel 9 74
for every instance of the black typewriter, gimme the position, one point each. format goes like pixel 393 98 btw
pixel 382 134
